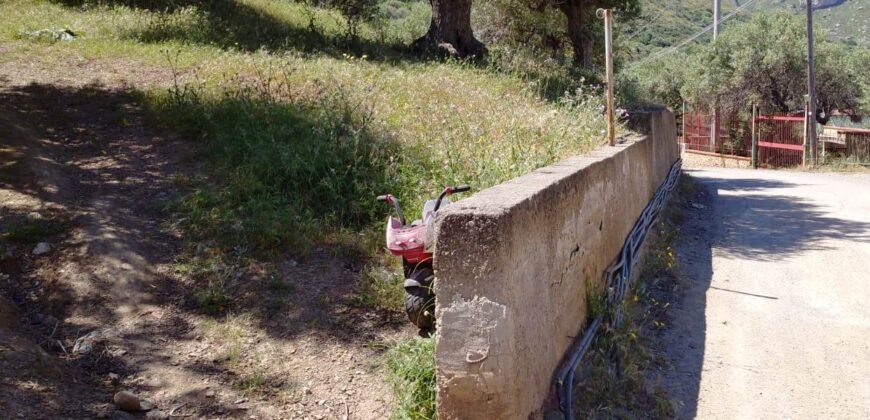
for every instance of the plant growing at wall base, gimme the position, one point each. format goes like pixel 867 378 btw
pixel 411 373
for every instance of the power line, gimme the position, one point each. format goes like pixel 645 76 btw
pixel 697 35
pixel 650 24
pixel 644 27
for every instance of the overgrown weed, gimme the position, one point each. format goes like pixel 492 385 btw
pixel 614 379
pixel 411 372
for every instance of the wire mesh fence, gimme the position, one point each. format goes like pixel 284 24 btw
pixel 781 138
pixel 845 145
pixel 732 137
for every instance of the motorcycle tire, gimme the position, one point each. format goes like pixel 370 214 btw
pixel 420 307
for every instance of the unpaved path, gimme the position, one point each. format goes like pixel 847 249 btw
pixel 774 321
pixel 83 152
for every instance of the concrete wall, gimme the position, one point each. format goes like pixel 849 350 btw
pixel 513 264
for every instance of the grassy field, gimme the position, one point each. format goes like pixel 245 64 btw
pixel 304 122
pixel 301 120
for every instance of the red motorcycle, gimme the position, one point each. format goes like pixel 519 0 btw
pixel 413 243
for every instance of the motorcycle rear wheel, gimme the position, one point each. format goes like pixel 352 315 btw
pixel 420 302
pixel 420 307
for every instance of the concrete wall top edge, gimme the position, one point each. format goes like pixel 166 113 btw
pixel 498 199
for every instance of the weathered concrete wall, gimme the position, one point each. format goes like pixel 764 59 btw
pixel 513 264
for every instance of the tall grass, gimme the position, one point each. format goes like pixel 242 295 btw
pixel 302 124
pixel 411 368
pixel 288 168
pixel 297 157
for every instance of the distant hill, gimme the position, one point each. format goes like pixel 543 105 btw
pixel 847 20
pixel 667 22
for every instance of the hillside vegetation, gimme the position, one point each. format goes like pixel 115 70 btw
pixel 846 20
pixel 665 23
pixel 305 123
pixel 296 119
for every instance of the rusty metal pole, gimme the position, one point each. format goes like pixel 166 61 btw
pixel 607 15
pixel 754 151
pixel 807 151
pixel 683 132
pixel 811 87
pixel 715 123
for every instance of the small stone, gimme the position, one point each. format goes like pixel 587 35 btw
pixel 87 343
pixel 306 390
pixel 240 400
pixel 34 215
pixel 321 402
pixel 41 248
pixel 128 401
pixel 117 352
pixel 209 393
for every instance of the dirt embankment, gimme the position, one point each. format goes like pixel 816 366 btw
pixel 92 302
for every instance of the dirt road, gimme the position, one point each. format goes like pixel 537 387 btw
pixel 774 320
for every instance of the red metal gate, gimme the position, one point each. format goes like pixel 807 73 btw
pixel 697 134
pixel 780 139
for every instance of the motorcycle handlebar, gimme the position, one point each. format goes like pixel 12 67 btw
pixel 461 188
pixel 382 198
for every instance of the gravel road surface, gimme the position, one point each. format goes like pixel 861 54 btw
pixel 774 319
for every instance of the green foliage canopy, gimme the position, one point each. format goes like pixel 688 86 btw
pixel 556 27
pixel 762 61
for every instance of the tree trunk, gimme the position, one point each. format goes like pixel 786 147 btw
pixel 578 30
pixel 450 30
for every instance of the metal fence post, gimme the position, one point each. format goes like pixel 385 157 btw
pixel 806 131
pixel 754 136
pixel 683 132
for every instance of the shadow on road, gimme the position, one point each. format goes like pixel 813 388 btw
pixel 747 219
pixel 762 223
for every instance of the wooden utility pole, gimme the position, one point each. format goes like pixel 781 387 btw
pixel 607 15
pixel 714 125
pixel 811 86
